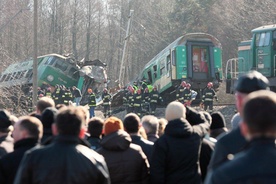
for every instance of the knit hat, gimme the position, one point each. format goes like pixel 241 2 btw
pixel 252 81
pixel 218 120
pixel 175 110
pixel 112 124
pixel 5 119
pixel 48 117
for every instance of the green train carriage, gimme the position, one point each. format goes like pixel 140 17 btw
pixel 258 54
pixel 195 58
pixel 52 69
pixel 56 69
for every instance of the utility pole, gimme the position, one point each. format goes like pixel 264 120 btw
pixel 122 67
pixel 35 85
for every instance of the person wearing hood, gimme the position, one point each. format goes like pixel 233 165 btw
pixel 175 157
pixel 126 162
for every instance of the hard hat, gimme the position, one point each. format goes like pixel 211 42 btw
pixel 210 84
pixel 183 84
pixel 89 90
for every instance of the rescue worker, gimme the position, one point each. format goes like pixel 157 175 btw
pixel 57 94
pixel 48 92
pixel 146 102
pixel 208 96
pixel 130 99
pixel 135 86
pixel 91 102
pixel 125 101
pixel 187 95
pixel 40 91
pixel 137 102
pixel 179 92
pixel 154 98
pixel 67 96
pixel 106 97
pixel 144 85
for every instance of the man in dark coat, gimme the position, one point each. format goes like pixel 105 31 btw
pixel 126 162
pixel 234 141
pixel 132 124
pixel 64 160
pixel 76 93
pixel 6 141
pixel 27 133
pixel 257 163
pixel 175 157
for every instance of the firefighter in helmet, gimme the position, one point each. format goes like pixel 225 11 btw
pixel 208 96
pixel 106 97
pixel 187 95
pixel 179 92
pixel 154 99
pixel 91 102
pixel 137 102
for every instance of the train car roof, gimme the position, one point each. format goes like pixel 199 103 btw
pixel 264 28
pixel 53 54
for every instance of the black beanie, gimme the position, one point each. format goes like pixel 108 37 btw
pixel 48 117
pixel 218 120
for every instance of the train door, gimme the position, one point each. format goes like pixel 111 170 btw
pixel 173 64
pixel 200 62
pixel 262 53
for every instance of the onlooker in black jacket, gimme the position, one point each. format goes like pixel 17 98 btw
pixel 126 162
pixel 175 157
pixel 257 163
pixel 27 134
pixel 6 141
pixel 132 125
pixel 234 141
pixel 95 130
pixel 64 160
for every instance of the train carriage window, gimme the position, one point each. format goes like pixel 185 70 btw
pixel 155 71
pixel 49 60
pixel 29 73
pixel 173 58
pixel 150 77
pixel 17 76
pixel 61 65
pixel 169 62
pixel 3 78
pixel 263 39
pixel 8 77
pixel 12 77
pixel 162 67
pixel 21 74
pixel 74 73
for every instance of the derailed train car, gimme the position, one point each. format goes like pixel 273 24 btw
pixel 54 69
pixel 195 58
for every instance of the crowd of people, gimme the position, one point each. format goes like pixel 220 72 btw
pixel 64 144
